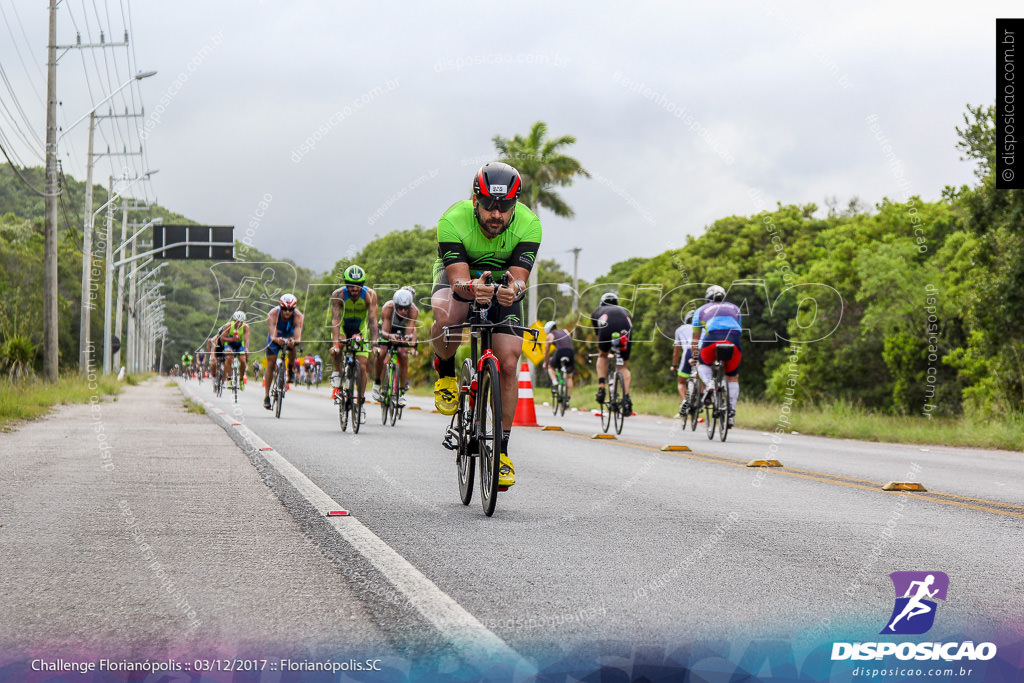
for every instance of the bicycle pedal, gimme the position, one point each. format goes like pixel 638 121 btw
pixel 450 440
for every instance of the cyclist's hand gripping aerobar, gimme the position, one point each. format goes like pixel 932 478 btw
pixel 506 294
pixel 483 288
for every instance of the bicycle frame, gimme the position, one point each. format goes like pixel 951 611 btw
pixel 467 434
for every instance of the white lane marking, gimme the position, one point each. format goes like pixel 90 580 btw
pixel 475 642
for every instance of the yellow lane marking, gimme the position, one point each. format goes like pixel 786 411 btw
pixel 867 485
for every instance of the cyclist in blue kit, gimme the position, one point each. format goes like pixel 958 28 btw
pixel 715 322
pixel 284 331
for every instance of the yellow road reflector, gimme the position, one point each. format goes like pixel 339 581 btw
pixel 903 486
pixel 764 463
pixel 552 428
pixel 413 408
pixel 603 436
pixel 674 447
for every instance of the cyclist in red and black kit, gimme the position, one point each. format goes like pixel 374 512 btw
pixel 609 318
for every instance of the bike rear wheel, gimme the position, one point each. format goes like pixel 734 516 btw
pixel 723 408
pixel 385 396
pixel 488 430
pixel 465 462
pixel 618 400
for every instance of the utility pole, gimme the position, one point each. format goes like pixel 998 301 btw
pixel 85 332
pixel 575 279
pixel 50 348
pixel 84 328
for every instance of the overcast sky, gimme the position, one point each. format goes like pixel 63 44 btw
pixel 337 121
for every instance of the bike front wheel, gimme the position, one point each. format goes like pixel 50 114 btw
pixel 488 431
pixel 279 381
pixel 356 397
pixel 396 389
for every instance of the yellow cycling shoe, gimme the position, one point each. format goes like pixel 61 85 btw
pixel 446 395
pixel 506 473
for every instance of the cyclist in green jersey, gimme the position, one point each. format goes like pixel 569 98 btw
pixel 485 236
pixel 353 313
pixel 234 335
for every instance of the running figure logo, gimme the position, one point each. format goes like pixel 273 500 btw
pixel 914 612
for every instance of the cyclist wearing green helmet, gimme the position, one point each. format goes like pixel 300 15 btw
pixel 353 314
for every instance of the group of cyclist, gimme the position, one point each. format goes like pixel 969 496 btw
pixel 487 246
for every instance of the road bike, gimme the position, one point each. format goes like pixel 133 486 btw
pixel 236 379
pixel 350 399
pixel 716 405
pixel 560 391
pixel 615 412
pixel 475 430
pixel 279 383
pixel 690 409
pixel 391 383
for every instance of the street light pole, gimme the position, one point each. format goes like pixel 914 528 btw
pixel 120 291
pixel 85 325
pixel 109 275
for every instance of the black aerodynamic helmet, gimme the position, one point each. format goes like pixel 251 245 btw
pixel 497 184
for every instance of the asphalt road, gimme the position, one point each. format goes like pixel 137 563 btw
pixel 616 541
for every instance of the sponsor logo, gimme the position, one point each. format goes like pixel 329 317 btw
pixel 948 652
pixel 913 614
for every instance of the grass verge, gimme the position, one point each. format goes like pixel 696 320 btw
pixel 193 407
pixel 29 400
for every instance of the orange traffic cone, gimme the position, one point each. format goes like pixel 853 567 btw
pixel 526 412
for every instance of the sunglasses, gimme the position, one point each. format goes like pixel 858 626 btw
pixel 492 203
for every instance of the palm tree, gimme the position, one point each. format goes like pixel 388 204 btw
pixel 543 167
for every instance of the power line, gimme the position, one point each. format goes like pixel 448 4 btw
pixel 39 69
pixel 23 179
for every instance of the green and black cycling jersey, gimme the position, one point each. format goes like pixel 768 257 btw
pixel 460 240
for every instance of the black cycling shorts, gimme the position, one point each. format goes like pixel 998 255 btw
pixel 556 359
pixel 604 341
